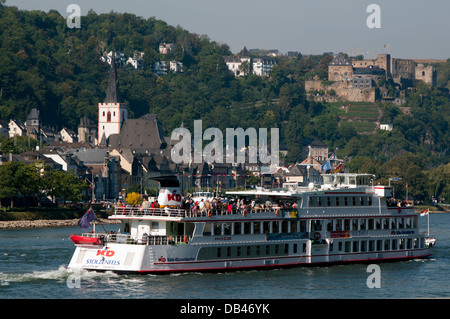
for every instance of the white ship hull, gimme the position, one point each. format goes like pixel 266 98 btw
pixel 159 259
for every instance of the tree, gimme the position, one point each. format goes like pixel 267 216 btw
pixel 18 178
pixel 133 199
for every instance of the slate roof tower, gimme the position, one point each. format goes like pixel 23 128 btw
pixel 111 113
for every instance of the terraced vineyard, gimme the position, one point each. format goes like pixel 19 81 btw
pixel 364 116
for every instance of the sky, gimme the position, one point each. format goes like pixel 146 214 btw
pixel 410 29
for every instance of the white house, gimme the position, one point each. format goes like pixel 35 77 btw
pixel 234 63
pixel 68 135
pixel 386 126
pixel 176 67
pixel 160 68
pixel 16 128
pixel 263 66
pixel 136 63
pixel 165 48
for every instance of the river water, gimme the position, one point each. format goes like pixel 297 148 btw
pixel 33 266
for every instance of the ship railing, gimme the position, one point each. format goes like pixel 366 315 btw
pixel 139 211
pixel 172 212
pixel 236 211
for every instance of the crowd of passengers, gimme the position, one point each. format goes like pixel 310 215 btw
pixel 203 207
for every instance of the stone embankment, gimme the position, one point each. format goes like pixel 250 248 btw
pixel 41 223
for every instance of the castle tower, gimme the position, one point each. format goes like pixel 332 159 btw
pixel 111 113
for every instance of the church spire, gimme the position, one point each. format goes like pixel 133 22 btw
pixel 112 91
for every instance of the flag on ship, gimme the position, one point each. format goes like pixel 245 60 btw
pixel 338 168
pixel 85 221
pixel 325 166
pixel 424 212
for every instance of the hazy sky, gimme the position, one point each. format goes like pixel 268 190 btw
pixel 409 28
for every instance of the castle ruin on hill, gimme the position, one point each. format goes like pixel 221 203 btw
pixel 368 80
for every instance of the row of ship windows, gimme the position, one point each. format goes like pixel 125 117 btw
pixel 356 246
pixel 292 226
pixel 337 246
pixel 247 251
pixel 322 201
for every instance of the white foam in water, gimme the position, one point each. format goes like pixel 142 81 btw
pixel 61 274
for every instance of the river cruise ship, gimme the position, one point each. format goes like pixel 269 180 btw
pixel 345 220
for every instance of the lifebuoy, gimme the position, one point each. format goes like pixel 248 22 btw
pixel 317 236
pixel 244 213
pixel 186 239
pixel 209 213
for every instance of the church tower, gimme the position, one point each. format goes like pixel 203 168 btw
pixel 111 113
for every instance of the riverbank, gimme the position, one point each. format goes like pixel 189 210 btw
pixel 45 223
pixel 42 218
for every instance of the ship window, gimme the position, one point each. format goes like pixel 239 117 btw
pixel 346 224
pixel 227 228
pixel 354 224
pixel 237 228
pixel 387 244
pixel 316 225
pixel 286 249
pixel 409 243
pixel 371 224
pixel 378 223
pixel 303 225
pixel 247 228
pixel 217 229
pixel 266 227
pixel 219 252
pixel 292 226
pixel 328 201
pixel 361 201
pixel 416 243
pixel 379 244
pixel 354 201
pixel 402 243
pixel 330 225
pixel 362 224
pixel 294 247
pixel 369 201
pixel 238 251
pixel 401 223
pixel 393 223
pixel 258 250
pixel 394 244
pixel 364 246
pixel 356 246
pixel 371 245
pixel 248 250
pixel 257 228
pixel 319 201
pixel 386 223
pixel 337 201
pixel 276 249
pixel 155 226
pixel 284 226
pixel 108 117
pixel 267 249
pixel 339 224
pixel 207 229
pixel 348 246
pixel 408 222
pixel 228 251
